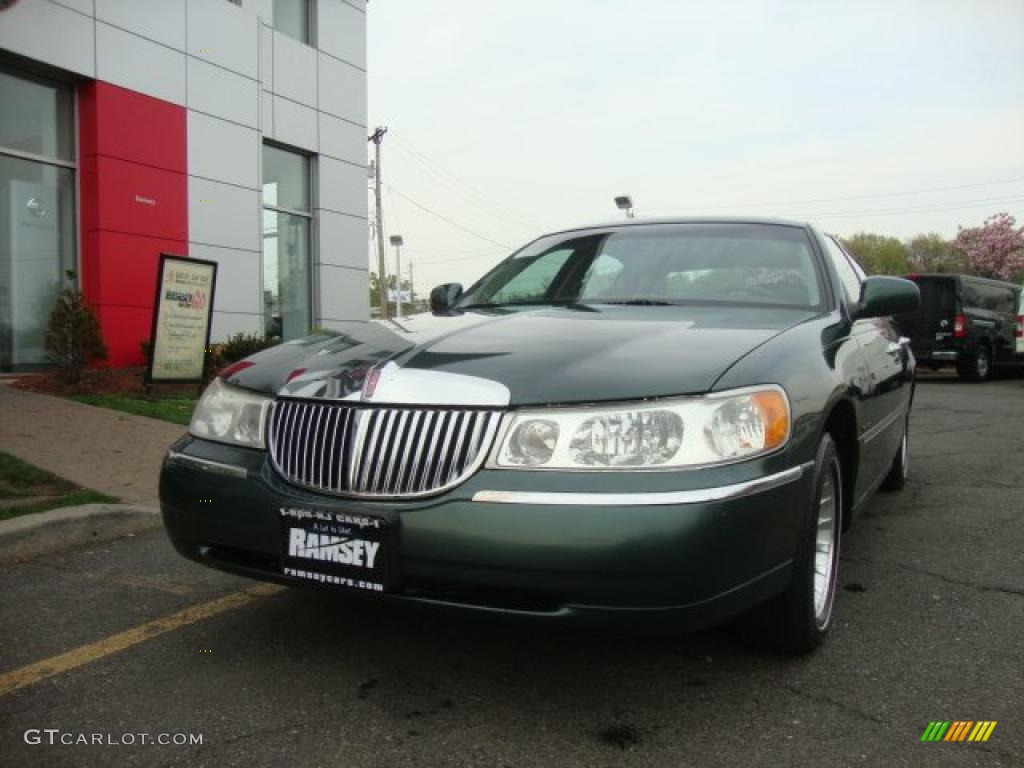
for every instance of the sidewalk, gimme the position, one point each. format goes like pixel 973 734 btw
pixel 109 451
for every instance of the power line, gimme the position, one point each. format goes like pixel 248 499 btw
pixel 841 199
pixel 445 219
pixel 925 209
pixel 442 170
pixel 490 210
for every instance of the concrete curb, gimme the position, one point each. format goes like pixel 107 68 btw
pixel 58 530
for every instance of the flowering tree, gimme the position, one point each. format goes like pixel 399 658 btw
pixel 995 249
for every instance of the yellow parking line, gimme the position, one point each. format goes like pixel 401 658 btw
pixel 40 670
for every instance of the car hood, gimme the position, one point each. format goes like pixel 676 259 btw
pixel 518 357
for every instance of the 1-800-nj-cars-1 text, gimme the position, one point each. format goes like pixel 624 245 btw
pixel 650 424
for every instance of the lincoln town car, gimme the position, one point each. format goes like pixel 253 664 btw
pixel 651 425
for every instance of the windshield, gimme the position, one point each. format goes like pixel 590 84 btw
pixel 748 264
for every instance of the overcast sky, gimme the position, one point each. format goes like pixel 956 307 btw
pixel 513 117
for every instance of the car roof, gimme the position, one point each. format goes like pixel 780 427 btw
pixel 624 223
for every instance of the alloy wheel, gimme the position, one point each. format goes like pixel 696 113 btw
pixel 826 547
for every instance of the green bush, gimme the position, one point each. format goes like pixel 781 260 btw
pixel 73 340
pixel 244 344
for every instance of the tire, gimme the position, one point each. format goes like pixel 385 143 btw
pixel 979 367
pixel 897 477
pixel 799 618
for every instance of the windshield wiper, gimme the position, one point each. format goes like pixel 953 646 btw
pixel 634 302
pixel 498 304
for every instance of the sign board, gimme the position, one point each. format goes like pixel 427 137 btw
pixel 181 318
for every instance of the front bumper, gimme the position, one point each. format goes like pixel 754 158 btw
pixel 645 550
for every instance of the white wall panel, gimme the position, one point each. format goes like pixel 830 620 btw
pixel 224 34
pixel 139 64
pixel 295 124
pixel 342 31
pixel 267 57
pixel 163 21
pixel 226 324
pixel 294 70
pixel 82 6
pixel 218 92
pixel 342 90
pixel 267 114
pixel 220 214
pixel 223 151
pixel 48 32
pixel 343 240
pixel 238 277
pixel 343 293
pixel 342 187
pixel 262 8
pixel 342 139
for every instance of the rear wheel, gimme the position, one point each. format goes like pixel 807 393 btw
pixel 897 477
pixel 800 617
pixel 979 367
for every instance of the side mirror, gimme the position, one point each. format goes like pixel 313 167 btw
pixel 443 298
pixel 884 296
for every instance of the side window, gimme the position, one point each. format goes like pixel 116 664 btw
pixel 1006 301
pixel 532 283
pixel 849 276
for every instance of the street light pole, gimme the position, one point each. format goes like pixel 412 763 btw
pixel 396 240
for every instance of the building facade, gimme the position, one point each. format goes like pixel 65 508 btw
pixel 228 131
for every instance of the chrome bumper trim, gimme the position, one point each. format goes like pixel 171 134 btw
pixel 207 465
pixel 698 496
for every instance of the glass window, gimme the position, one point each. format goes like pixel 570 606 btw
pixel 36 117
pixel 744 264
pixel 37 212
pixel 848 276
pixel 287 261
pixel 285 179
pixel 291 17
pixel 534 279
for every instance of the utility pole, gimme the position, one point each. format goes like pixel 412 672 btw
pixel 412 285
pixel 382 273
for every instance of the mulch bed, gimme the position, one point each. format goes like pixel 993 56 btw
pixel 100 381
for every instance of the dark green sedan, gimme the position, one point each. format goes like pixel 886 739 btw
pixel 649 424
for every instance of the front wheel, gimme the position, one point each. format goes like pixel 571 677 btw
pixel 800 616
pixel 979 367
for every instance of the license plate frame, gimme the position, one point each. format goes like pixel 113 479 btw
pixel 351 551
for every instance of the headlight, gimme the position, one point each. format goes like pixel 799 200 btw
pixel 230 415
pixel 666 434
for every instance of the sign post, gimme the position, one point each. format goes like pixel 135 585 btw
pixel 182 311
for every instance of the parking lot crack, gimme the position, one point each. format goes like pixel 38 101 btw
pixel 943 577
pixel 835 703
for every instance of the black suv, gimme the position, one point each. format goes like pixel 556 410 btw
pixel 965 320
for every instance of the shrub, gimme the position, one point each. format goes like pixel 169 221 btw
pixel 243 344
pixel 73 340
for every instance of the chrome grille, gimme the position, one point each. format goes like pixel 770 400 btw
pixel 354 450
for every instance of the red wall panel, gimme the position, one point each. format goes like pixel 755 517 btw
pixel 141 200
pixel 130 261
pixel 133 191
pixel 131 126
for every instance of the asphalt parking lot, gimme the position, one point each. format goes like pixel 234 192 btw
pixel 128 638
